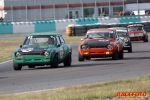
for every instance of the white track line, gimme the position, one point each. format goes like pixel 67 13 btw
pixel 36 91
pixel 5 62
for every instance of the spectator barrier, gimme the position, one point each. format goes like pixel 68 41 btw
pixel 44 26
pixel 85 21
pixel 23 27
pixel 79 26
pixel 61 24
pixel 6 28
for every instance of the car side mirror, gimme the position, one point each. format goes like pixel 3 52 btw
pixel 20 46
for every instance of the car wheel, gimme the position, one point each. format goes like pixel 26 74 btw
pixel 145 39
pixel 68 60
pixel 80 57
pixel 54 63
pixel 130 49
pixel 121 54
pixel 88 58
pixel 115 55
pixel 31 66
pixel 16 66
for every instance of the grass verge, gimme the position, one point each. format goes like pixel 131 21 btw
pixel 9 45
pixel 95 91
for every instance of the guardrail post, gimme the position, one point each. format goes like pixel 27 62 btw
pixel 12 15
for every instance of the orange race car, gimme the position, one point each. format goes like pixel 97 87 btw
pixel 100 42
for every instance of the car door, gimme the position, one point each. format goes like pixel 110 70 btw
pixel 61 49
pixel 118 42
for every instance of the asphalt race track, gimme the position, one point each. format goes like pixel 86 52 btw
pixel 96 70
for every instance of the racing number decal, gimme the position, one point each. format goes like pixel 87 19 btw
pixel 61 52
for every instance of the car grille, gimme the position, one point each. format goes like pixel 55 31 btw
pixel 27 53
pixel 98 47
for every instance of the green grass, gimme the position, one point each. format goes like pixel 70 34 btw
pixel 87 92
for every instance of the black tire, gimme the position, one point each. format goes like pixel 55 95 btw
pixel 80 57
pixel 121 54
pixel 115 55
pixel 145 39
pixel 88 58
pixel 68 60
pixel 31 66
pixel 54 63
pixel 130 49
pixel 16 66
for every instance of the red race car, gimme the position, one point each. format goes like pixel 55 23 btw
pixel 100 42
pixel 137 32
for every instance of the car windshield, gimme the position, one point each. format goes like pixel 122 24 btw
pixel 122 34
pixel 100 34
pixel 134 28
pixel 38 39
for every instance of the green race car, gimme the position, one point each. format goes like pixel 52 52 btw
pixel 41 49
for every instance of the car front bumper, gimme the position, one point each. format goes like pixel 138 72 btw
pixel 97 52
pixel 126 47
pixel 36 59
pixel 136 38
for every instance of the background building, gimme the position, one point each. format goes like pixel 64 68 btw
pixel 29 10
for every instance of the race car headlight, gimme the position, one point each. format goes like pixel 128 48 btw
pixel 46 54
pixel 18 54
pixel 140 34
pixel 109 47
pixel 84 47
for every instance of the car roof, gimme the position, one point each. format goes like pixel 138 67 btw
pixel 101 29
pixel 45 33
pixel 135 25
pixel 119 28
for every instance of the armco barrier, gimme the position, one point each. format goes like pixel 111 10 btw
pixel 91 26
pixel 58 25
pixel 85 21
pixel 147 26
pixel 44 26
pixel 6 28
pixel 23 27
pixel 79 30
pixel 107 20
pixel 61 24
pixel 145 19
pixel 129 20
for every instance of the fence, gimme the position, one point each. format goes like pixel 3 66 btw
pixel 53 10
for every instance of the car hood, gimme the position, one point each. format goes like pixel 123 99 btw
pixel 97 42
pixel 135 32
pixel 35 48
